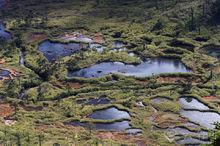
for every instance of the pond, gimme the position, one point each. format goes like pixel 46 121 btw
pixel 214 53
pixel 98 47
pixel 53 51
pixel 184 136
pixel 119 46
pixel 203 118
pixel 212 50
pixel 3 33
pixel 4 73
pixel 144 69
pixel 192 103
pixel 183 131
pixel 189 141
pixel 111 113
pixel 198 112
pixel 94 101
pixel 160 99
pixel 98 101
pixel 115 126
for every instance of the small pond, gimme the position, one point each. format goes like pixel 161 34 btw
pixel 214 53
pixel 189 141
pixel 115 126
pixel 4 73
pixel 160 100
pixel 184 136
pixel 111 113
pixel 119 46
pixel 98 101
pixel 203 118
pixel 192 103
pixel 98 47
pixel 198 112
pixel 134 131
pixel 94 101
pixel 53 51
pixel 3 33
pixel 183 131
pixel 212 50
pixel 144 69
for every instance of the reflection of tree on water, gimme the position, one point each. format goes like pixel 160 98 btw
pixel 174 62
pixel 188 99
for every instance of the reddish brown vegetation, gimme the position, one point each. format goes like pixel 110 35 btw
pixel 6 110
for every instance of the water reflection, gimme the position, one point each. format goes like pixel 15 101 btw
pixel 145 68
pixel 53 51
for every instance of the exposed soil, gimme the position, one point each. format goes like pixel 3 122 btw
pixel 32 108
pixel 210 98
pixel 6 110
pixel 171 79
pixel 98 38
pixel 35 37
pixel 167 120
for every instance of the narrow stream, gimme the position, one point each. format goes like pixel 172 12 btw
pixel 21 58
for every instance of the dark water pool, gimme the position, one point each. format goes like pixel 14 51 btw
pixel 115 126
pixel 214 53
pixel 3 33
pixel 94 101
pixel 2 2
pixel 97 101
pixel 53 51
pixel 4 73
pixel 145 68
pixel 111 113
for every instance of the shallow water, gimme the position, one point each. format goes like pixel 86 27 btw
pixel 214 53
pixel 98 101
pixel 4 73
pixel 183 136
pixel 110 114
pixel 184 132
pixel 115 126
pixel 94 101
pixel 2 2
pixel 3 33
pixel 203 118
pixel 119 46
pixel 188 141
pixel 160 100
pixel 99 48
pixel 21 58
pixel 144 69
pixel 53 51
pixel 133 131
pixel 192 103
